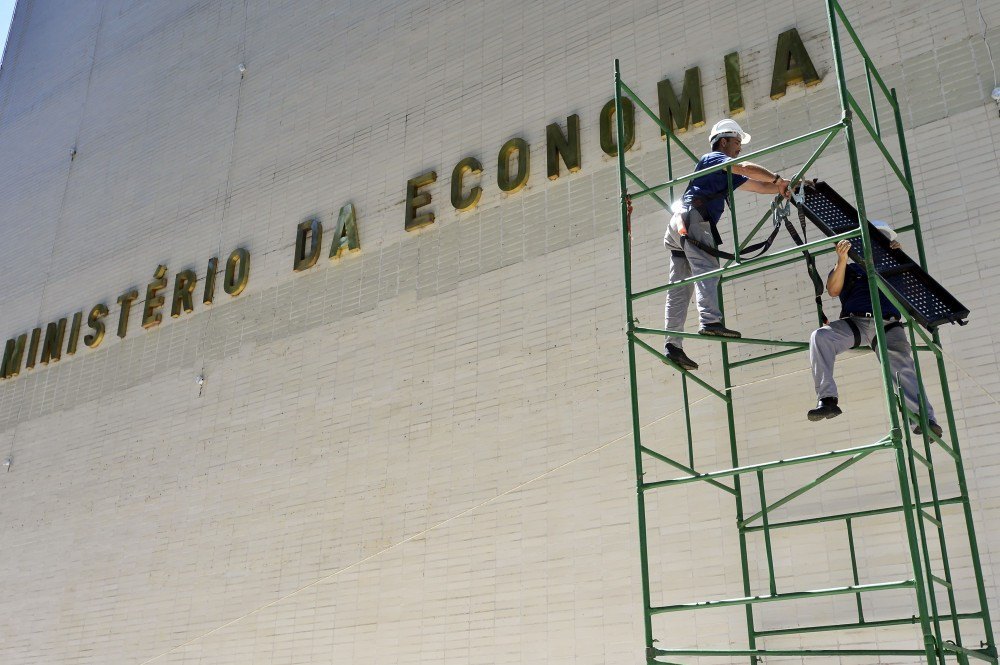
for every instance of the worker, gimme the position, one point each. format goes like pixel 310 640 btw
pixel 849 282
pixel 693 238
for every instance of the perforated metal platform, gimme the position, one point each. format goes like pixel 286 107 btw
pixel 929 303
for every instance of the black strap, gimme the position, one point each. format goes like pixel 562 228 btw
pixel 810 265
pixel 889 326
pixel 854 329
pixel 720 254
pixel 857 332
pixel 699 203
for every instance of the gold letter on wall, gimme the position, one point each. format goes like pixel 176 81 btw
pixel 52 346
pixel 213 269
pixel 125 300
pixel 237 272
pixel 568 147
pixel 309 232
pixel 791 64
pixel 733 86
pixel 512 183
pixel 13 354
pixel 608 126
pixel 184 284
pixel 95 322
pixel 74 334
pixel 151 317
pixel 688 111
pixel 417 199
pixel 345 236
pixel 36 336
pixel 459 198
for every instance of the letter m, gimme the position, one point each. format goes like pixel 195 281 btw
pixel 688 111
pixel 13 353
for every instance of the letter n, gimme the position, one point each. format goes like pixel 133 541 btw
pixel 568 147
pixel 52 346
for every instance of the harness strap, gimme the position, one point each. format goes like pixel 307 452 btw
pixel 810 266
pixel 854 329
pixel 762 246
pixel 889 326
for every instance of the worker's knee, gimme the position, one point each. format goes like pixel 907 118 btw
pixel 819 335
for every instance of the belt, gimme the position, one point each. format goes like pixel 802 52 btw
pixel 868 315
pixel 890 323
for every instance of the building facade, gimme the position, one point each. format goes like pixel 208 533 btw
pixel 330 363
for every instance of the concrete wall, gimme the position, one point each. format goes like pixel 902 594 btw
pixel 421 453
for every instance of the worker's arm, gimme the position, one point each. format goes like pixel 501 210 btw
pixel 835 282
pixel 761 180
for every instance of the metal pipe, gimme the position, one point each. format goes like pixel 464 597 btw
pixel 856 626
pixel 810 485
pixel 633 384
pixel 792 595
pixel 753 155
pixel 853 514
pixel 767 258
pixel 751 468
pixel 690 469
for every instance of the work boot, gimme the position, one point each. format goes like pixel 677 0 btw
pixel 825 408
pixel 718 330
pixel 676 354
pixel 934 428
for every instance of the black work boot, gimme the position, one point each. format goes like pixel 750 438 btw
pixel 676 354
pixel 718 330
pixel 934 428
pixel 825 408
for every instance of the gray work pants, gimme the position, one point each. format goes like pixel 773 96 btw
pixel 831 340
pixel 693 261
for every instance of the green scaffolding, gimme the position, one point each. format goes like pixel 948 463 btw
pixel 941 622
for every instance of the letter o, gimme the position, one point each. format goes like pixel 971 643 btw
pixel 608 130
pixel 505 180
pixel 237 272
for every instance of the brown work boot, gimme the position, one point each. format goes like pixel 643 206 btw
pixel 677 355
pixel 718 330
pixel 934 428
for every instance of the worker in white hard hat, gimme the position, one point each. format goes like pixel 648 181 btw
pixel 856 327
pixel 693 238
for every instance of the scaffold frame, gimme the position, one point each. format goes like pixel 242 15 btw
pixel 915 465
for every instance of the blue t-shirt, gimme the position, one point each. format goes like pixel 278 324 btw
pixel 709 186
pixel 854 296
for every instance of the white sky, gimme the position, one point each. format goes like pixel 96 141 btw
pixel 6 13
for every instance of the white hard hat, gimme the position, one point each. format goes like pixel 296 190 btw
pixel 885 228
pixel 726 128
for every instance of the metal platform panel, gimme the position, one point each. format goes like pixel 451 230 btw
pixel 929 303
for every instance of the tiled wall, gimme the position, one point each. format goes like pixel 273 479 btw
pixel 421 453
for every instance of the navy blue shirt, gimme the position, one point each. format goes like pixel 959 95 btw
pixel 854 297
pixel 709 186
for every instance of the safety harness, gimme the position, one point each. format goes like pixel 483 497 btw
pixel 780 213
pixel 850 283
pixel 700 204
